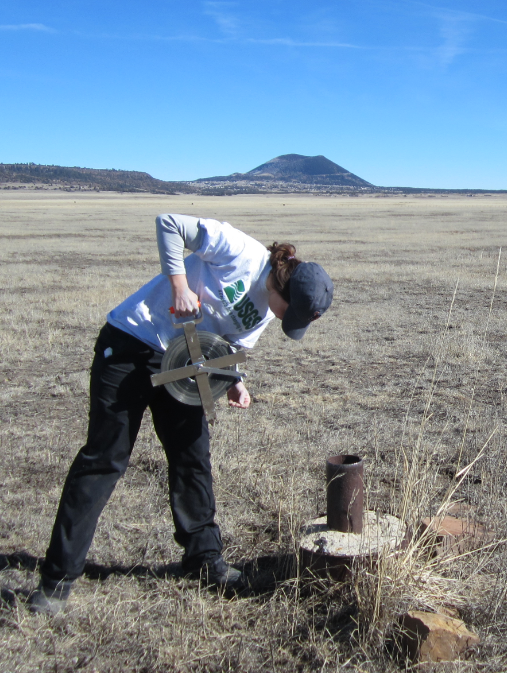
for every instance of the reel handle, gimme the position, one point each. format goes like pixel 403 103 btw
pixel 172 311
pixel 181 322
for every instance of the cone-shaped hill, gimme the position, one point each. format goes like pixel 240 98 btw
pixel 297 168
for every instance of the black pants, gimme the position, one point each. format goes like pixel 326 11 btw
pixel 120 391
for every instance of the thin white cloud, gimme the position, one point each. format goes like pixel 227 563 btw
pixel 455 27
pixel 28 26
pixel 276 41
pixel 482 17
pixel 221 13
pixel 454 31
pixel 289 42
pixel 450 47
pixel 457 12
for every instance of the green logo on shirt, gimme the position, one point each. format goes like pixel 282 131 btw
pixel 247 312
pixel 243 306
pixel 234 291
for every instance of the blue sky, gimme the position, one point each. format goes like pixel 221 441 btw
pixel 397 91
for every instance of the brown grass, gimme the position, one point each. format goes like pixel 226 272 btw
pixel 407 369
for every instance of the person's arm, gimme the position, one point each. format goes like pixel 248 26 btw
pixel 174 234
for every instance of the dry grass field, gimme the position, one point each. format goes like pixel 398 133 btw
pixel 407 369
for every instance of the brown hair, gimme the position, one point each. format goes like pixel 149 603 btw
pixel 283 262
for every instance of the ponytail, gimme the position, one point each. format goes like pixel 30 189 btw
pixel 283 261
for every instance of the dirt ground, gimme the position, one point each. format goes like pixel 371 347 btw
pixel 407 369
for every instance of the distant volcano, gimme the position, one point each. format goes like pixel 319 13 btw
pixel 297 168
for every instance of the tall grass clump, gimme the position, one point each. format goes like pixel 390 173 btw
pixel 423 576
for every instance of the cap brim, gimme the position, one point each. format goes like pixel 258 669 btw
pixel 292 326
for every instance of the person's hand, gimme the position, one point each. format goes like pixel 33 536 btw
pixel 239 396
pixel 185 302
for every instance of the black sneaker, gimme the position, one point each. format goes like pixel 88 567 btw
pixel 50 597
pixel 221 575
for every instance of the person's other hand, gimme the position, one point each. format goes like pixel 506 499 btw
pixel 239 396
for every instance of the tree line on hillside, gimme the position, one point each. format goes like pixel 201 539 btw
pixel 89 178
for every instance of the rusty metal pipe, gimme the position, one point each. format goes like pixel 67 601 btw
pixel 345 493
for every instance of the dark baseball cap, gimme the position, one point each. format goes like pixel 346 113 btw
pixel 311 294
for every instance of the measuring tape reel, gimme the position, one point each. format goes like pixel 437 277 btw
pixel 177 355
pixel 198 367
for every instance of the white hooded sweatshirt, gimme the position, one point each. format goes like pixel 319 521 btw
pixel 227 270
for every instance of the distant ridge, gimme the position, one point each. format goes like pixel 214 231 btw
pixel 286 174
pixel 299 168
pixel 87 179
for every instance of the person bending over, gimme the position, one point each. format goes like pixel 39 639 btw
pixel 241 286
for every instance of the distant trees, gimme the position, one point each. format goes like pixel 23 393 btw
pixel 89 178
